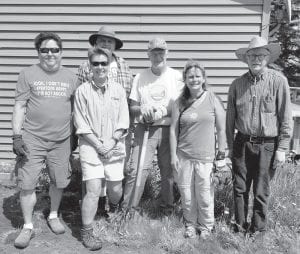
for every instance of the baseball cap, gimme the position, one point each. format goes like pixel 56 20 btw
pixel 157 43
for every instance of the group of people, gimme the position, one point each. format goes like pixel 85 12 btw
pixel 178 112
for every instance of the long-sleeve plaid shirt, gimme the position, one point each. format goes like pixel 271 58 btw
pixel 124 74
pixel 260 107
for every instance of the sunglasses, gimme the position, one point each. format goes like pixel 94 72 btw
pixel 99 63
pixel 46 50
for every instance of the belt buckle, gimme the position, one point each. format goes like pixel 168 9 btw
pixel 255 140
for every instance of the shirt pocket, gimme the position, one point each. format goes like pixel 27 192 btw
pixel 115 105
pixel 269 104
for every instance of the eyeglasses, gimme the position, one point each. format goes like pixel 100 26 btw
pixel 260 57
pixel 46 50
pixel 103 64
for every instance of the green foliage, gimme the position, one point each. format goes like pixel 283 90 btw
pixel 288 36
pixel 145 233
pixel 289 58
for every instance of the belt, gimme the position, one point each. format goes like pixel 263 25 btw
pixel 256 139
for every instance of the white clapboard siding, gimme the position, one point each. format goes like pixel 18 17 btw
pixel 206 30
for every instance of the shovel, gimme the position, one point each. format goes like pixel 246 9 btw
pixel 134 196
pixel 129 213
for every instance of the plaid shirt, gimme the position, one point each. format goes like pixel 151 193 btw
pixel 124 74
pixel 260 107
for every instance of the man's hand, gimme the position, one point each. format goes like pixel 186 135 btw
pixel 279 157
pixel 148 113
pixel 160 112
pixel 19 147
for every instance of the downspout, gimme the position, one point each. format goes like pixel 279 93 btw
pixel 265 19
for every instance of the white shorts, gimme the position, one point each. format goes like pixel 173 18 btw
pixel 112 171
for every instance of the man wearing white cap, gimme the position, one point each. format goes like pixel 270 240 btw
pixel 259 109
pixel 151 96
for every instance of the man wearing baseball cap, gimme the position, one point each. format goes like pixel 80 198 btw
pixel 259 109
pixel 151 96
pixel 119 72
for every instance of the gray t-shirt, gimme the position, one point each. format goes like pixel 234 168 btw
pixel 49 101
pixel 196 138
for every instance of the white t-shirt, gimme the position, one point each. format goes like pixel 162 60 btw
pixel 150 89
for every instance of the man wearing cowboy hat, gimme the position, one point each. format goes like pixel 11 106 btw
pixel 259 109
pixel 118 72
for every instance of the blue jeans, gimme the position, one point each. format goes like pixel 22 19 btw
pixel 252 164
pixel 158 140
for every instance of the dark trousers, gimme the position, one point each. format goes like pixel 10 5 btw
pixel 252 163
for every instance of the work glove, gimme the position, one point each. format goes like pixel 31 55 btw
pixel 19 147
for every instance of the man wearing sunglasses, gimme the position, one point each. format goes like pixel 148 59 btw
pixel 102 119
pixel 44 95
pixel 118 72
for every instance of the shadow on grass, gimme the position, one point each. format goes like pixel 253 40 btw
pixel 69 207
pixel 12 210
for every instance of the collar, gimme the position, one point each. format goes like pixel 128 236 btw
pixel 103 88
pixel 254 78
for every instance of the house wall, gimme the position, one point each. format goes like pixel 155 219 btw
pixel 207 30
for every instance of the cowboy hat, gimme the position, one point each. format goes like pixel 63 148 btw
pixel 105 31
pixel 259 42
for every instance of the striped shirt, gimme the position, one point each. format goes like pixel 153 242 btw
pixel 124 74
pixel 101 112
pixel 260 106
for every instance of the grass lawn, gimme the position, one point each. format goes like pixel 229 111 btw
pixel 152 232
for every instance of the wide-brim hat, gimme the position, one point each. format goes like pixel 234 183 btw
pixel 105 31
pixel 259 42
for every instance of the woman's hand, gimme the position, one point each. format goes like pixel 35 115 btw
pixel 175 162
pixel 108 145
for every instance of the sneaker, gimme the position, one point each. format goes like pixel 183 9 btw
pixel 89 240
pixel 23 239
pixel 56 226
pixel 257 235
pixel 190 232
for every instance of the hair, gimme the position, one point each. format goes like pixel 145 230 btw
pixel 47 36
pixel 186 92
pixel 99 51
